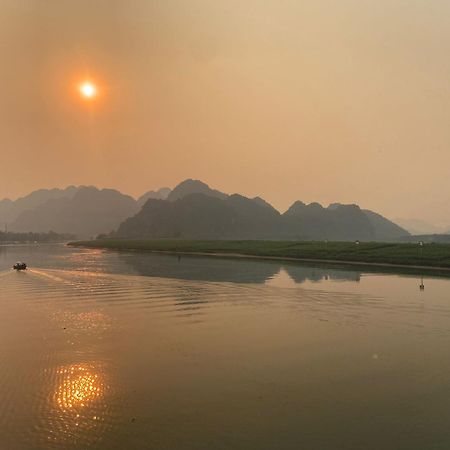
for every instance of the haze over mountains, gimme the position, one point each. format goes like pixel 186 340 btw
pixel 84 211
pixel 192 210
pixel 419 227
pixel 89 212
pixel 10 210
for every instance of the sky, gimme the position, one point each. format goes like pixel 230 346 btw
pixel 319 100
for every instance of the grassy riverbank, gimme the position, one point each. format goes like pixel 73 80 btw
pixel 430 255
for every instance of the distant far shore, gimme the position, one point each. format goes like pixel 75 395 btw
pixel 389 255
pixel 14 238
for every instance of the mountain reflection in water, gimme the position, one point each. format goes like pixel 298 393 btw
pixel 201 268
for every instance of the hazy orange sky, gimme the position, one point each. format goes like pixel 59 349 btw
pixel 318 100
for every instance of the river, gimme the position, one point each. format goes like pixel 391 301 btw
pixel 117 350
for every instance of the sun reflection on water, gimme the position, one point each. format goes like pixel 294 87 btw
pixel 79 387
pixel 82 414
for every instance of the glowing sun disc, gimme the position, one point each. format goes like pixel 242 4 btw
pixel 88 90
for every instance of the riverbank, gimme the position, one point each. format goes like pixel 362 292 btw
pixel 428 256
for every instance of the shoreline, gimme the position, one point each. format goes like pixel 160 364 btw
pixel 237 255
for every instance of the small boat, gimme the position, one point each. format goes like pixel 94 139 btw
pixel 20 266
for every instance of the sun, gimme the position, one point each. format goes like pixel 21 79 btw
pixel 88 90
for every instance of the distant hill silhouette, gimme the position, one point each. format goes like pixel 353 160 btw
pixel 339 222
pixel 189 186
pixel 81 210
pixel 89 212
pixel 160 194
pixel 195 211
pixel 10 210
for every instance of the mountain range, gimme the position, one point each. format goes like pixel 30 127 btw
pixel 192 210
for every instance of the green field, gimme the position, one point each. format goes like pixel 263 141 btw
pixel 429 255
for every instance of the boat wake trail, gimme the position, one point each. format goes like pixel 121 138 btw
pixel 46 274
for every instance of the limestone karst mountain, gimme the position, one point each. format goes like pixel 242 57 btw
pixel 195 211
pixel 190 186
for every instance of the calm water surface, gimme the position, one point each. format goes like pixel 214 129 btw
pixel 108 350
